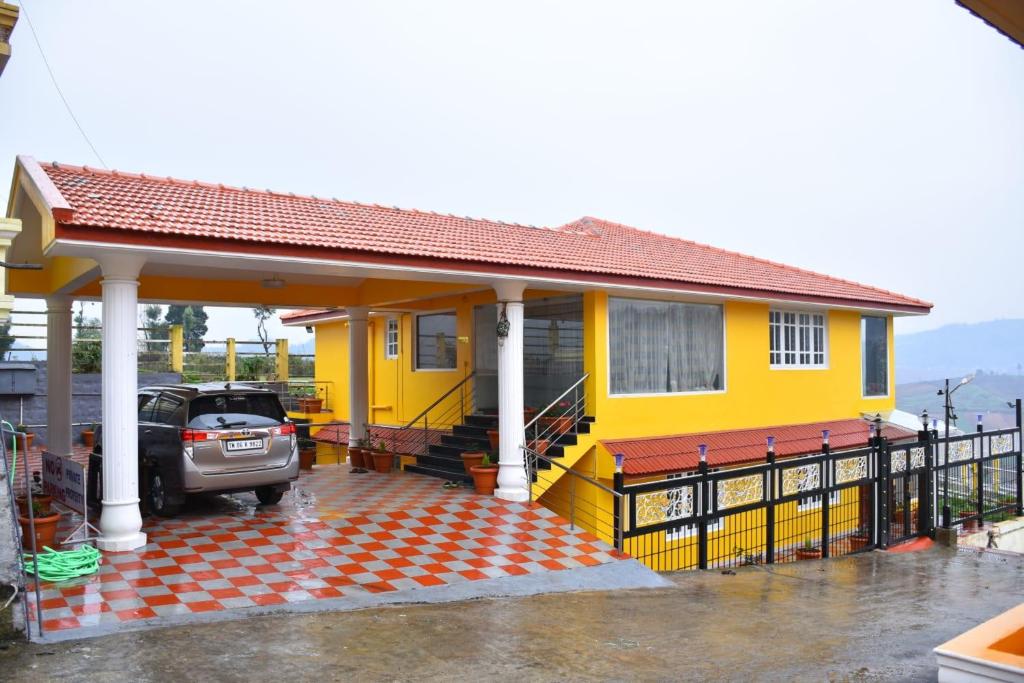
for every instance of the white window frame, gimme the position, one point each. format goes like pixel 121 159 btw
pixel 416 340
pixel 834 498
pixel 690 530
pixel 391 339
pixel 787 326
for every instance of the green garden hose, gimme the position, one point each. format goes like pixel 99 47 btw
pixel 64 565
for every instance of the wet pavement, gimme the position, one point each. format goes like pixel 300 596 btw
pixel 336 541
pixel 874 616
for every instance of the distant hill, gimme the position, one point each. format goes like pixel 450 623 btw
pixel 986 394
pixel 957 350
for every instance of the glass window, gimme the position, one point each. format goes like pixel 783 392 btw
pixel 796 340
pixel 166 410
pixel 435 341
pixel 259 405
pixel 391 340
pixel 875 355
pixel 664 347
pixel 146 402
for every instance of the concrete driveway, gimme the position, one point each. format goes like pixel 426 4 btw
pixel 874 616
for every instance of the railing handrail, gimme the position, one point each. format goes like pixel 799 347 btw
pixel 589 480
pixel 555 402
pixel 433 405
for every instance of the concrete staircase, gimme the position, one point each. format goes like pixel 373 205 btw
pixel 445 462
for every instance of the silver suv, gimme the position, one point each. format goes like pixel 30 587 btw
pixel 203 438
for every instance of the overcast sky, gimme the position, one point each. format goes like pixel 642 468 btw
pixel 877 141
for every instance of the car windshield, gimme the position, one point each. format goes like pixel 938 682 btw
pixel 235 410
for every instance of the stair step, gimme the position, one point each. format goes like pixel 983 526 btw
pixel 441 462
pixel 446 475
pixel 468 442
pixel 470 431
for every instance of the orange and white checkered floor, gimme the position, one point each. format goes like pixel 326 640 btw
pixel 335 536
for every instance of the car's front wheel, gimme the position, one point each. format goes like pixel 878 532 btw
pixel 269 495
pixel 157 496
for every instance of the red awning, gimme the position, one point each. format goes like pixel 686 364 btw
pixel 664 454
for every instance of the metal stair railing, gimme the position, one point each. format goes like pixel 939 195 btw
pixel 417 435
pixel 561 416
pixel 592 516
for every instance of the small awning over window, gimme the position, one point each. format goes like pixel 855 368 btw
pixel 666 454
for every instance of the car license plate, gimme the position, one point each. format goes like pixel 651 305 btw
pixel 244 444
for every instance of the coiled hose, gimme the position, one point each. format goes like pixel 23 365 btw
pixel 55 565
pixel 63 565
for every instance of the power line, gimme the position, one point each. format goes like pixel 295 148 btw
pixel 67 105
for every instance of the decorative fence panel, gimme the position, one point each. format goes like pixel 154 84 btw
pixel 821 505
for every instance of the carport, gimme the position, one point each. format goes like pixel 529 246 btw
pixel 123 239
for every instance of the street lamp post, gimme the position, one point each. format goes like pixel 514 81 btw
pixel 949 414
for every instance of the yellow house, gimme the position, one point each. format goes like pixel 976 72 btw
pixel 439 334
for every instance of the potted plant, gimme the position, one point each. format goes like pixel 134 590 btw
pixel 528 414
pixel 308 404
pixel 808 552
pixel 485 476
pixel 23 437
pixel 540 446
pixel 37 494
pixel 492 436
pixel 968 524
pixel 307 454
pixel 472 459
pixel 356 456
pixel 556 426
pixel 45 520
pixel 860 540
pixel 381 458
pixel 88 435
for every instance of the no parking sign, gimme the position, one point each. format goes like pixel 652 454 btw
pixel 64 479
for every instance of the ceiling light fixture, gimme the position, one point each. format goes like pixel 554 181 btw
pixel 272 283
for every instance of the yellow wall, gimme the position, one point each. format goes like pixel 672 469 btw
pixel 397 391
pixel 755 395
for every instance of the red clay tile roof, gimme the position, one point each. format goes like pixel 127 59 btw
pixel 147 205
pixel 663 454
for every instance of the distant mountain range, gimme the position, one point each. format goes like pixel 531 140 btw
pixel 995 347
pixel 992 351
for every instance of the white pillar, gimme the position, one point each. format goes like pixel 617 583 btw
pixel 358 380
pixel 512 484
pixel 58 375
pixel 121 522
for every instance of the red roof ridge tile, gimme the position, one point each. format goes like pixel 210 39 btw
pixel 760 259
pixel 274 193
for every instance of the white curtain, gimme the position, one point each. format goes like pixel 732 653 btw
pixel 665 347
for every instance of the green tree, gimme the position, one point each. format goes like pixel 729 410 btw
pixel 263 314
pixel 193 321
pixel 86 349
pixel 6 340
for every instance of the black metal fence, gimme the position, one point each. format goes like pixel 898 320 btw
pixel 821 505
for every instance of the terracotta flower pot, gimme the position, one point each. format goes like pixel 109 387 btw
pixel 382 461
pixel 472 459
pixel 859 541
pixel 492 435
pixel 23 443
pixel 22 502
pixel 310 405
pixel 87 437
pixel 529 414
pixel 307 457
pixel 556 425
pixel 485 479
pixel 540 445
pixel 355 457
pixel 968 524
pixel 46 532
pixel 808 554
